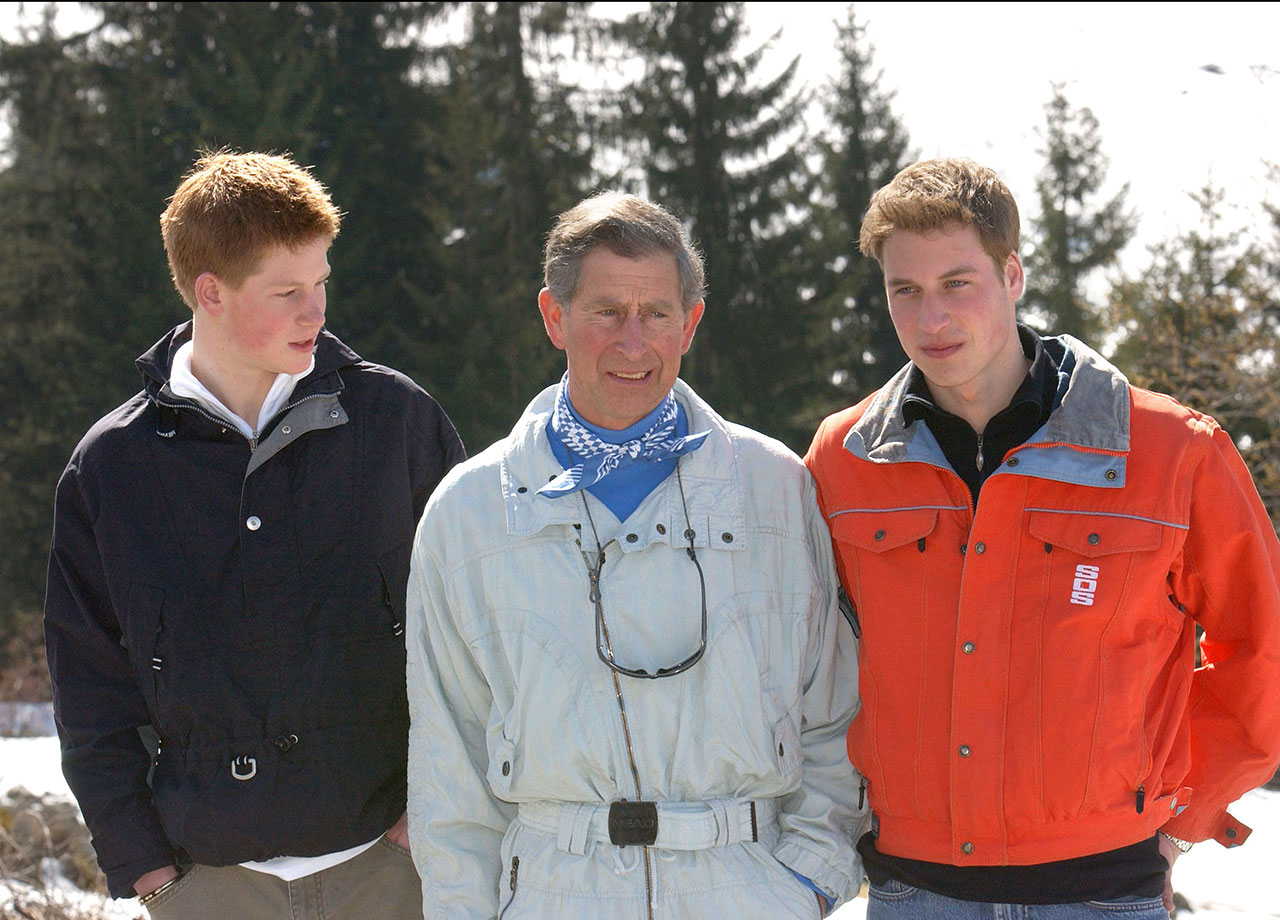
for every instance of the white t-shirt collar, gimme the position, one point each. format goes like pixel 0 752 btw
pixel 185 384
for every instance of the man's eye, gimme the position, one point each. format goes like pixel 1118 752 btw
pixel 905 289
pixel 957 282
pixel 288 293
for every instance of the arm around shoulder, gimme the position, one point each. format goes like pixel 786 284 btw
pixel 823 819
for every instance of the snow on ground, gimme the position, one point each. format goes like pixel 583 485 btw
pixel 1219 884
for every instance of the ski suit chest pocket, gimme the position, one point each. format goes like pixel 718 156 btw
pixel 1091 559
pixel 883 553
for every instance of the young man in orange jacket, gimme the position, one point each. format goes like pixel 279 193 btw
pixel 1027 543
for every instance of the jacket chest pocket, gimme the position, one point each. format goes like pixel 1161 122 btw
pixel 1098 561
pixel 884 557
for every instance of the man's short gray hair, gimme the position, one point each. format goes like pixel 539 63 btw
pixel 626 225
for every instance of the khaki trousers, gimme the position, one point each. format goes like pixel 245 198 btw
pixel 379 884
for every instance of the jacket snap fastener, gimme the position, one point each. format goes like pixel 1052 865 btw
pixel 1013 461
pixel 631 537
pixel 981 548
pixel 966 848
pixel 285 742
pixel 968 648
pixel 506 768
pixel 1111 475
pixel 253 522
pixel 726 537
pixel 1231 833
pixel 964 548
pixel 1094 539
pixel 879 535
pixel 333 413
pixel 662 528
pixel 523 489
pixel 286 429
pixel 965 751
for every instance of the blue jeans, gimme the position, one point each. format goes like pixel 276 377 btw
pixel 896 901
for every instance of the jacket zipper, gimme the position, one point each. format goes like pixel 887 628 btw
pixel 515 868
pixel 593 576
pixel 979 459
pixel 231 426
pixel 1141 797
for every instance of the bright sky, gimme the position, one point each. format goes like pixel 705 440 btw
pixel 972 80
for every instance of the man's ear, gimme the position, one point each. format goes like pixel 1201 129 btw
pixel 552 317
pixel 209 293
pixel 692 317
pixel 1013 276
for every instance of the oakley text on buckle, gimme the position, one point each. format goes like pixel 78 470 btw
pixel 633 823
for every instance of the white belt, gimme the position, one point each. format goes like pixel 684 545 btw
pixel 681 825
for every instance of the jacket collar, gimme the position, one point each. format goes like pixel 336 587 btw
pixel 1091 409
pixel 156 363
pixel 711 476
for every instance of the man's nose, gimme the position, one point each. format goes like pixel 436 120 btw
pixel 313 310
pixel 631 337
pixel 934 314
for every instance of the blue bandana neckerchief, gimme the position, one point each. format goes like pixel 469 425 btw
pixel 601 458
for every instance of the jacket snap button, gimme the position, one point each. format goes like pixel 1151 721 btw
pixel 965 751
pixel 1231 833
pixel 1111 475
pixel 966 848
pixel 726 537
pixel 964 548
pixel 969 648
pixel 879 535
pixel 662 528
pixel 1013 461
pixel 1094 539
pixel 523 489
pixel 506 768
pixel 286 429
pixel 253 522
pixel 285 742
pixel 981 548
pixel 333 413
pixel 631 537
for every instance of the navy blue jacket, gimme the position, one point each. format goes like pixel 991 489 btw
pixel 246 600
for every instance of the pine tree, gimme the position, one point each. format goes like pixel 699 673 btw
pixel 725 150
pixel 517 150
pixel 1202 325
pixel 867 147
pixel 104 124
pixel 1073 235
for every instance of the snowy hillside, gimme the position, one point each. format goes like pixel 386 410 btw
pixel 1219 884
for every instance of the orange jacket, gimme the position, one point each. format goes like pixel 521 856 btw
pixel 1026 667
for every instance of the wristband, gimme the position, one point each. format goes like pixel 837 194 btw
pixel 1183 845
pixel 146 898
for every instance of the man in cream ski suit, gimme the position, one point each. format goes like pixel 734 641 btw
pixel 629 679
